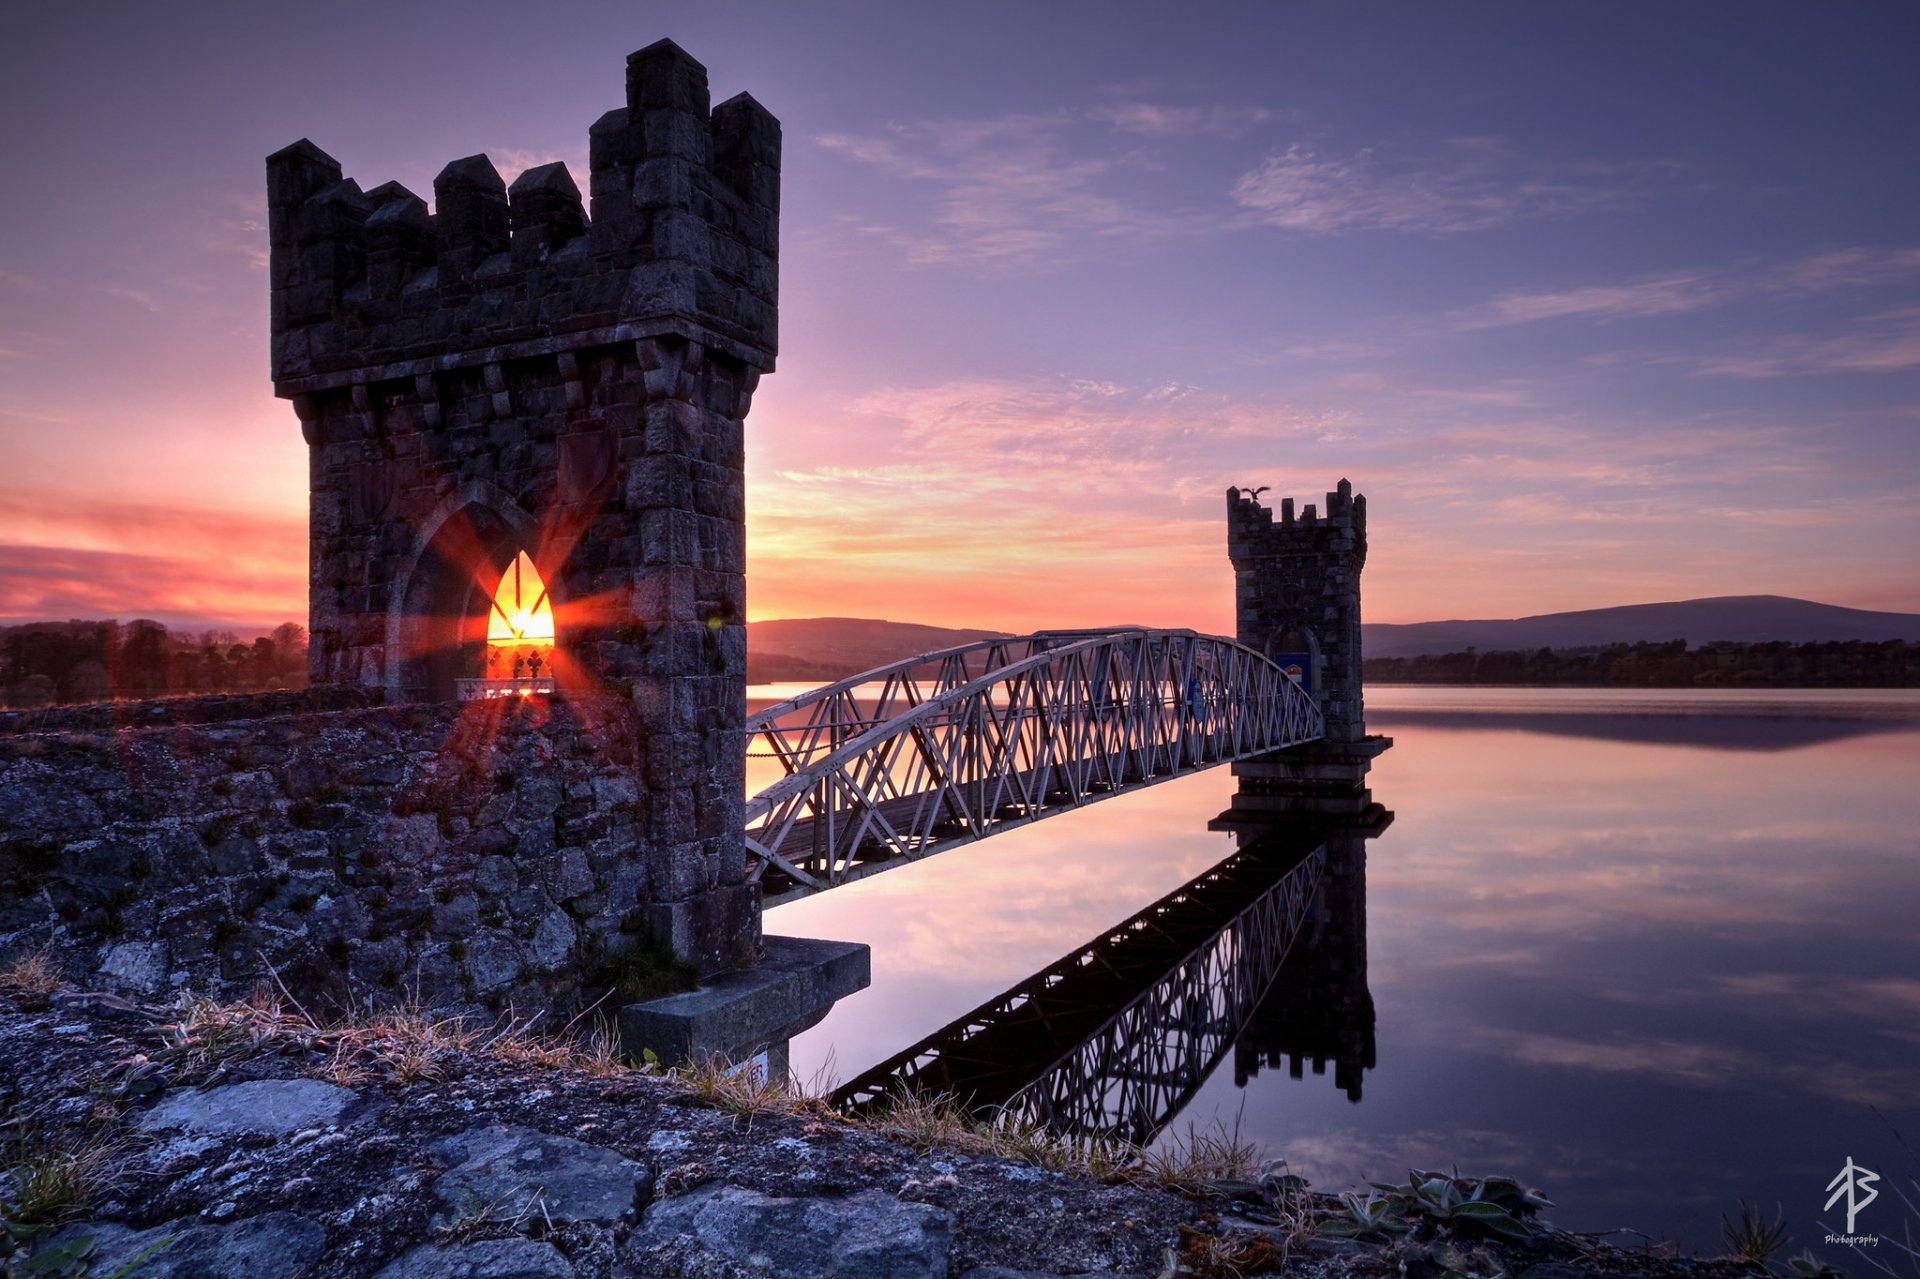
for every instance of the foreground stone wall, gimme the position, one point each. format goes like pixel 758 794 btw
pixel 476 856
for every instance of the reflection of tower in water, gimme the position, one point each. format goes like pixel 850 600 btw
pixel 1319 1009
pixel 1118 1036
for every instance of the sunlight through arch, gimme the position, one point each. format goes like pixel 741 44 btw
pixel 519 632
pixel 521 612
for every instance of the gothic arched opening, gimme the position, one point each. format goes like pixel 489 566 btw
pixel 440 614
pixel 519 634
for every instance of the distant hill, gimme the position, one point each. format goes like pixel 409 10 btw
pixel 1749 619
pixel 830 648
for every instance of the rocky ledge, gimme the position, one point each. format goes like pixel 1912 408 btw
pixel 205 1145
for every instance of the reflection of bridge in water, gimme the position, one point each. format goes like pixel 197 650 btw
pixel 1264 954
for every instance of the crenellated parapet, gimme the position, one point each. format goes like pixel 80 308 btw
pixel 1297 594
pixel 683 239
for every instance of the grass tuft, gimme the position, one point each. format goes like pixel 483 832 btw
pixel 32 978
pixel 1753 1238
pixel 1202 1156
pixel 743 1088
pixel 50 1179
pixel 939 1122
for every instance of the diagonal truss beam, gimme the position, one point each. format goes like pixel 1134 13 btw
pixel 909 759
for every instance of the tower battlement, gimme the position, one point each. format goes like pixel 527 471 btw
pixel 683 238
pixel 1253 528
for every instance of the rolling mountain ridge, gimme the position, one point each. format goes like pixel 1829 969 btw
pixel 827 648
pixel 1744 619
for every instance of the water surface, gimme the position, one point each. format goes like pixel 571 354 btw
pixel 1656 952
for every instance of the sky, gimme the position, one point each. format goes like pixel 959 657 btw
pixel 1597 304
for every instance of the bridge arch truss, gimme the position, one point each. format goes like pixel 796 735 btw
pixel 901 762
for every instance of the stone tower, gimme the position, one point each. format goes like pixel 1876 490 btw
pixel 1297 599
pixel 1297 593
pixel 519 371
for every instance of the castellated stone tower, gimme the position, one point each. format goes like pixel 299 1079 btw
pixel 1297 599
pixel 507 375
pixel 1297 593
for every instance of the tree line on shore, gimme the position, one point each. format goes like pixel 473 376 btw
pixel 75 662
pixel 1669 664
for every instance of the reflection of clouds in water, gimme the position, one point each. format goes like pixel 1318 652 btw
pixel 1708 1065
pixel 1338 1159
pixel 1509 833
pixel 1333 1160
pixel 967 923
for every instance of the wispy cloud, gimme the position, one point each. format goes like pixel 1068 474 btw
pixel 1884 342
pixel 1862 266
pixel 1662 296
pixel 1161 121
pixel 985 487
pixel 1460 185
pixel 68 557
pixel 1007 188
pixel 139 297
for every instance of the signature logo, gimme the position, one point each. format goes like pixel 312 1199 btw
pixel 1852 1183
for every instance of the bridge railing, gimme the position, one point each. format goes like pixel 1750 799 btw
pixel 903 761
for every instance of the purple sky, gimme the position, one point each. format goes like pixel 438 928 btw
pixel 1597 304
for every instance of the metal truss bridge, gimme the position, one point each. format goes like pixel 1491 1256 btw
pixel 1116 1037
pixel 907 760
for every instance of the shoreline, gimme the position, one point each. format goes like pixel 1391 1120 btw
pixel 257 1145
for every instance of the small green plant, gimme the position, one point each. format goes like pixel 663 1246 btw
pixel 71 1260
pixel 1445 1258
pixel 1432 1204
pixel 1808 1266
pixel 1753 1238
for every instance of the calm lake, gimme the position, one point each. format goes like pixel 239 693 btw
pixel 1655 952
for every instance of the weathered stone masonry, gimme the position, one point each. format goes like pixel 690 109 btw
pixel 471 857
pixel 508 374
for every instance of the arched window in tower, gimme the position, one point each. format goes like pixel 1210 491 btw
pixel 519 633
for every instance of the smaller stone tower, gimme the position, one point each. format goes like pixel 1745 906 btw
pixel 1297 599
pixel 1297 593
